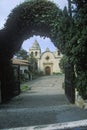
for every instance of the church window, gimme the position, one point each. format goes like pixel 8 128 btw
pixel 32 53
pixel 59 53
pixel 36 53
pixel 47 57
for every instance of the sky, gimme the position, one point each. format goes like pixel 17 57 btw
pixel 5 9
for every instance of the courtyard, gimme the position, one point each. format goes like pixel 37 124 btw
pixel 44 102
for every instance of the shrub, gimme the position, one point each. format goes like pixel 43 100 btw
pixel 81 83
pixel 24 87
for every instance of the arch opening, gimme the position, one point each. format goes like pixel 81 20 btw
pixel 47 70
pixel 44 42
pixel 28 19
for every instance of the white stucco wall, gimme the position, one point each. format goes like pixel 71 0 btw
pixel 23 68
pixel 52 62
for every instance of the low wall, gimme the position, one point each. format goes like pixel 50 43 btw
pixel 79 100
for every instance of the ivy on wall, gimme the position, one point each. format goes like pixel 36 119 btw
pixel 44 18
pixel 39 17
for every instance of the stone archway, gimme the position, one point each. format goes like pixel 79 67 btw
pixel 47 70
pixel 35 17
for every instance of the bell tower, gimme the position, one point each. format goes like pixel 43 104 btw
pixel 35 50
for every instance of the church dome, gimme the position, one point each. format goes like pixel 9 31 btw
pixel 35 46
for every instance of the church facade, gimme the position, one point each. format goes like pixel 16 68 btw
pixel 47 62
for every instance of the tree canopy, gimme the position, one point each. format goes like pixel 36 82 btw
pixel 76 39
pixel 23 54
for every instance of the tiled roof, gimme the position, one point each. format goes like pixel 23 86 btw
pixel 20 62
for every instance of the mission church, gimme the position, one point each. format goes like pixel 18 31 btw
pixel 47 62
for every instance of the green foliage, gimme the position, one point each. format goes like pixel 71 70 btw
pixel 24 88
pixel 73 40
pixel 54 73
pixel 33 62
pixel 78 47
pixel 24 77
pixel 44 18
pixel 37 74
pixel 81 83
pixel 39 17
pixel 63 63
pixel 80 3
pixel 22 54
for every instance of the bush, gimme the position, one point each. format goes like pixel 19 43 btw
pixel 63 62
pixel 54 73
pixel 81 83
pixel 24 77
pixel 24 87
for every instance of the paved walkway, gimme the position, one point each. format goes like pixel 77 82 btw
pixel 45 103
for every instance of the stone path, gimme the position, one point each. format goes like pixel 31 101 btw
pixel 45 103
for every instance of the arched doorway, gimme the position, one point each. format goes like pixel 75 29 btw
pixel 47 70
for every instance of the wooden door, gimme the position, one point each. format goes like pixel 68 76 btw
pixel 47 70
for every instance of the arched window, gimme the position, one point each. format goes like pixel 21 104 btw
pixel 47 58
pixel 32 53
pixel 36 53
pixel 58 53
